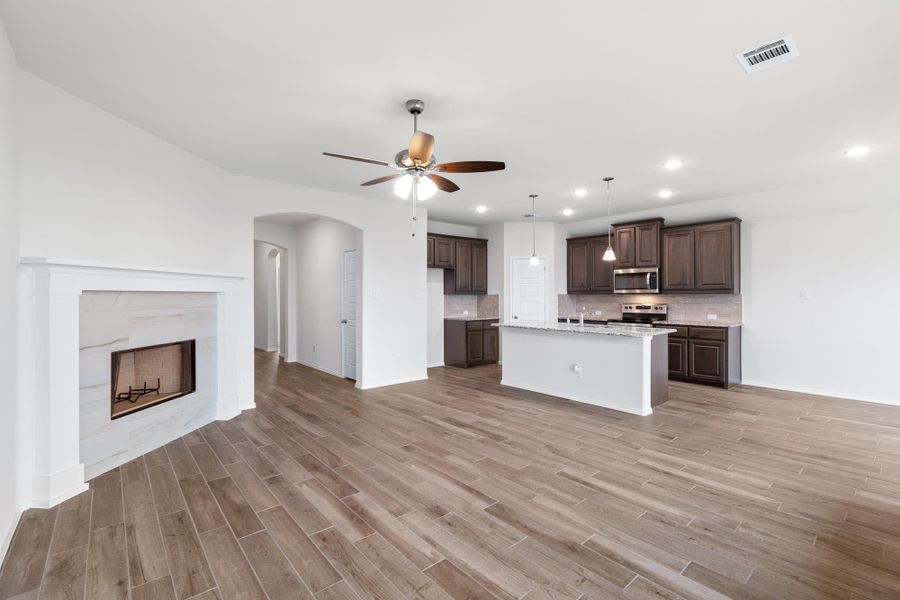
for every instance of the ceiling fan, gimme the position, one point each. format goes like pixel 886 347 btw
pixel 417 175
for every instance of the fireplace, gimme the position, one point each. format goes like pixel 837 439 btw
pixel 150 375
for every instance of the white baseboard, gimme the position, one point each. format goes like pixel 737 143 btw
pixel 370 385
pixel 822 392
pixel 437 364
pixel 319 368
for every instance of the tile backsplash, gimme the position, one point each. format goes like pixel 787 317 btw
pixel 482 305
pixel 682 307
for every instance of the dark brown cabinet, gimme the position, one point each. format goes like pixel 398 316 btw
pixel 678 357
pixel 678 259
pixel 429 251
pixel 637 244
pixel 464 261
pixel 479 267
pixel 709 355
pixel 578 268
pixel 469 343
pixel 601 271
pixel 702 258
pixel 443 252
pixel 587 272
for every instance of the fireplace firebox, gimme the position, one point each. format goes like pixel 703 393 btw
pixel 150 375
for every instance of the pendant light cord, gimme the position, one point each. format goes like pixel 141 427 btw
pixel 533 237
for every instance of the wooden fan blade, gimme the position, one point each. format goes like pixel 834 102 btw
pixel 470 166
pixel 421 146
pixel 443 183
pixel 357 158
pixel 383 179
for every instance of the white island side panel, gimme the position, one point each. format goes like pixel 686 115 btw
pixel 615 370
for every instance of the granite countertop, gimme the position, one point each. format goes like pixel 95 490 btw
pixel 470 318
pixel 673 322
pixel 619 330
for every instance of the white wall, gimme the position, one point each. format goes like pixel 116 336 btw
pixel 435 296
pixel 263 301
pixel 843 339
pixel 95 187
pixel 285 238
pixel 9 206
pixel 320 253
pixel 452 229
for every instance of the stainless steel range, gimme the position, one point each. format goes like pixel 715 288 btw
pixel 641 315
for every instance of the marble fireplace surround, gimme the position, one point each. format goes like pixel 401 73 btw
pixel 50 342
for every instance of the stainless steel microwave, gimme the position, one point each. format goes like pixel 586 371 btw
pixel 636 281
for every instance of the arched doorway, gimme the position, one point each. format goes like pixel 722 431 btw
pixel 319 295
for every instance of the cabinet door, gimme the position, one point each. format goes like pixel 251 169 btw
pixel 624 246
pixel 706 360
pixel 678 260
pixel 491 343
pixel 474 347
pixel 429 252
pixel 647 245
pixel 479 267
pixel 578 276
pixel 463 267
pixel 713 257
pixel 443 253
pixel 601 279
pixel 678 357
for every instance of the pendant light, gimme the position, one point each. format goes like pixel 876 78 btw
pixel 609 255
pixel 534 260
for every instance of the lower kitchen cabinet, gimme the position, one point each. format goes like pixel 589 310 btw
pixel 470 343
pixel 708 355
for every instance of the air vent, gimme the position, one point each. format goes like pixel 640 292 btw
pixel 773 53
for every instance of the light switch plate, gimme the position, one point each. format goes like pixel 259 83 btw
pixel 805 294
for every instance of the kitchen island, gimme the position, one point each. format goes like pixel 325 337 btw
pixel 620 367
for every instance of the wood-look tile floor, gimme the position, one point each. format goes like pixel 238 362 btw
pixel 457 488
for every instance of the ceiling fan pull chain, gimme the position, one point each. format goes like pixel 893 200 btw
pixel 415 199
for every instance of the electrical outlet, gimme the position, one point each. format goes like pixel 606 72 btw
pixel 314 348
pixel 711 316
pixel 576 369
pixel 805 294
pixel 465 313
pixel 597 313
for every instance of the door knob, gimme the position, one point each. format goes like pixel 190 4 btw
pixel 343 321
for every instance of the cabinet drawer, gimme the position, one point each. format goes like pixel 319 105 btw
pixel 474 325
pixel 680 332
pixel 709 333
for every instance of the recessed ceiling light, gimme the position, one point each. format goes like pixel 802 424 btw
pixel 665 194
pixel 568 212
pixel 580 193
pixel 673 164
pixel 481 209
pixel 857 151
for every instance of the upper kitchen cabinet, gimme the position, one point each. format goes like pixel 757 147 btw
pixel 637 244
pixel 441 251
pixel 702 258
pixel 469 272
pixel 601 271
pixel 578 267
pixel 587 272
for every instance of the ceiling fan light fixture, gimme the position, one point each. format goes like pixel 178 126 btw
pixel 426 187
pixel 403 187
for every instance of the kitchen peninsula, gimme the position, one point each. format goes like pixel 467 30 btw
pixel 619 367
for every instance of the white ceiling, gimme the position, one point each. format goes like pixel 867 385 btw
pixel 565 93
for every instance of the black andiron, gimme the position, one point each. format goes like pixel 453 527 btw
pixel 133 395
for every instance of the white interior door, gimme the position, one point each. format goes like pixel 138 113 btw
pixel 529 282
pixel 348 314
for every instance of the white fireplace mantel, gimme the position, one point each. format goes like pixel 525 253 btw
pixel 50 343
